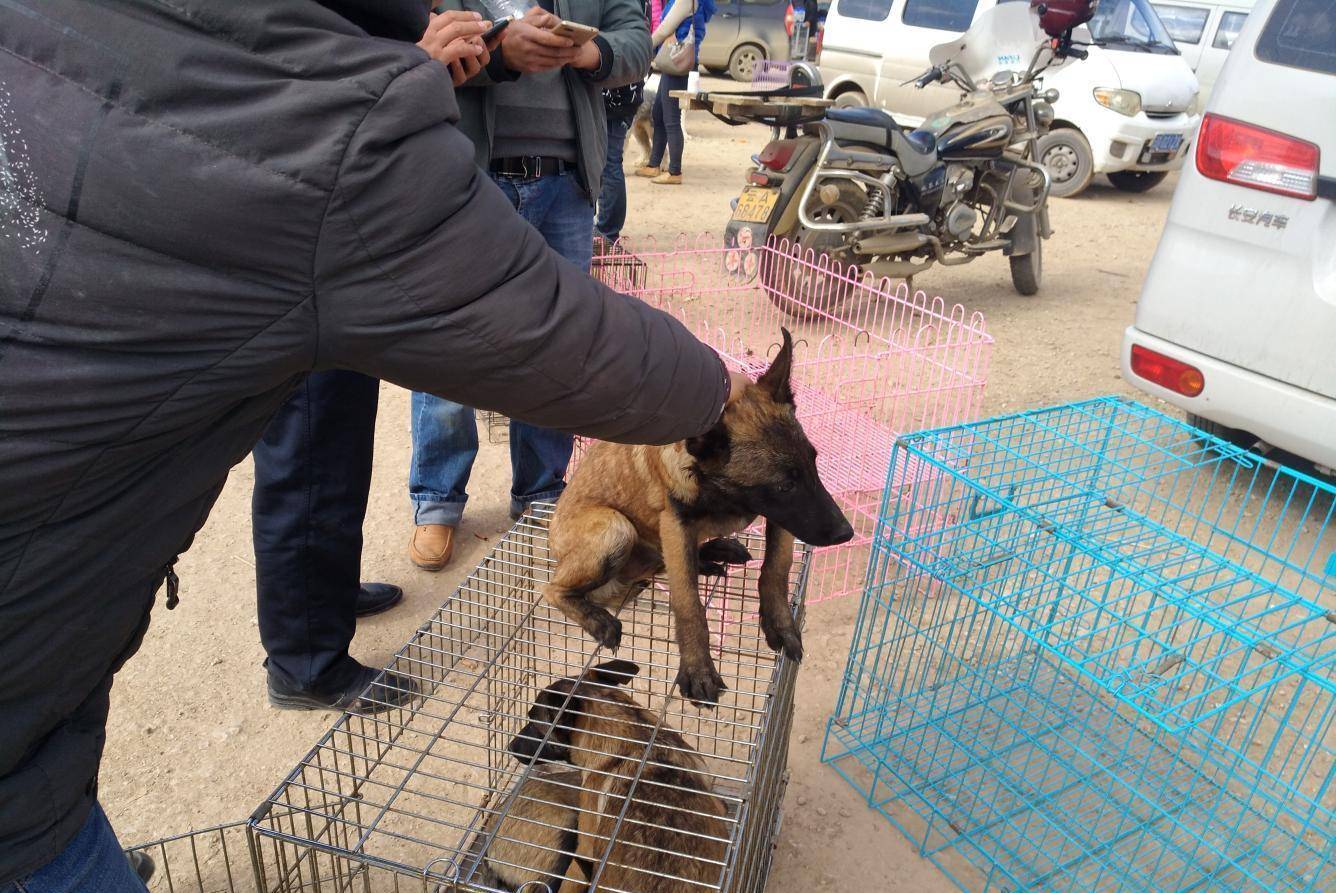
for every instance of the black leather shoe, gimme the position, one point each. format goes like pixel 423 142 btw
pixel 142 865
pixel 373 598
pixel 386 691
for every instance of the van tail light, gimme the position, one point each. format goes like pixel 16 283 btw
pixel 1258 158
pixel 777 155
pixel 1167 372
pixel 788 20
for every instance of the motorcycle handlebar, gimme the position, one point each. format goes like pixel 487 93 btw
pixel 930 76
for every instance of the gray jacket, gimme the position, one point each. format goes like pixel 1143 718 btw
pixel 204 201
pixel 623 39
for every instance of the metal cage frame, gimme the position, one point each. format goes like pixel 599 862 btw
pixel 408 792
pixel 1097 651
pixel 871 360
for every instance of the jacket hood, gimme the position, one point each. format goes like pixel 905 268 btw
pixel 395 19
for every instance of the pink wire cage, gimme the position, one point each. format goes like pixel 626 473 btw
pixel 871 360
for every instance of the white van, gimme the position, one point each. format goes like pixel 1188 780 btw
pixel 1237 319
pixel 1204 30
pixel 1129 111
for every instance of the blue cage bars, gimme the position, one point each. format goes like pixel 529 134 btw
pixel 1096 652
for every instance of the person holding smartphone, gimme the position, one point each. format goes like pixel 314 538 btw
pixel 536 117
pixel 313 475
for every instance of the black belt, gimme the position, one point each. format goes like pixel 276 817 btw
pixel 530 167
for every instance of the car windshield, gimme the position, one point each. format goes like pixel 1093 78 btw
pixel 1131 25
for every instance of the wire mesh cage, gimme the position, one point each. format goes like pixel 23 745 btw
pixel 666 798
pixel 211 860
pixel 871 361
pixel 1096 652
pixel 230 858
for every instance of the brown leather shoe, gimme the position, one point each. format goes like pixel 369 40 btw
pixel 432 546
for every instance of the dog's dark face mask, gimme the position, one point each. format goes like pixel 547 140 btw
pixel 560 709
pixel 759 458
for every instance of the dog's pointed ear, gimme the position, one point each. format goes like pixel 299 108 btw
pixel 776 378
pixel 711 446
pixel 614 672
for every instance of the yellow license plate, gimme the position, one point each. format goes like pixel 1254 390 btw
pixel 755 204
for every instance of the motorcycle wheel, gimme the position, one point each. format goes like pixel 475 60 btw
pixel 1028 269
pixel 1136 181
pixel 800 290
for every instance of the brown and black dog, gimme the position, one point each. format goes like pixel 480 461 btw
pixel 631 511
pixel 532 843
pixel 671 836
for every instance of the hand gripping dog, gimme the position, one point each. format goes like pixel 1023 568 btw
pixel 632 511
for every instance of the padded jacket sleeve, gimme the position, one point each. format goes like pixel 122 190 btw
pixel 426 277
pixel 625 33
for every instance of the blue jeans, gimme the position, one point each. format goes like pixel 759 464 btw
pixel 91 863
pixel 667 119
pixel 612 197
pixel 445 436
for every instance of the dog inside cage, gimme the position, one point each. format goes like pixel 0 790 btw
pixel 535 761
pixel 648 818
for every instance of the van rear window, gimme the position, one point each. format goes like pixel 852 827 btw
pixel 1184 23
pixel 940 15
pixel 872 10
pixel 1300 34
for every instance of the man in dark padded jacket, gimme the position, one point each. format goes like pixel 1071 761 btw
pixel 203 202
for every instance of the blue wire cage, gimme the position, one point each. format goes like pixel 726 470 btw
pixel 1096 651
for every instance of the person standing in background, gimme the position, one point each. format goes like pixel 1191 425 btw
pixel 536 117
pixel 680 19
pixel 620 104
pixel 313 477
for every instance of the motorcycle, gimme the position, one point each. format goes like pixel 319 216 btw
pixel 854 184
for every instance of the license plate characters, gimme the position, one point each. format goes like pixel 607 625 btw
pixel 1166 142
pixel 755 205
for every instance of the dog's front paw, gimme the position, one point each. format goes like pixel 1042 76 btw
pixel 781 634
pixel 700 683
pixel 725 550
pixel 602 627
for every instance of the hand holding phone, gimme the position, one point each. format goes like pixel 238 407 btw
pixel 530 44
pixel 575 32
pixel 494 32
pixel 454 39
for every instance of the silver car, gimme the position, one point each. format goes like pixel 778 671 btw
pixel 742 33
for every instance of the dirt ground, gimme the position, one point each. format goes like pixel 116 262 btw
pixel 192 741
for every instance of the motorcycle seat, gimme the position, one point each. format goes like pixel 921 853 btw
pixel 859 123
pixel 865 117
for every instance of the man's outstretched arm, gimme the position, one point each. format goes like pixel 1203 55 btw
pixel 426 277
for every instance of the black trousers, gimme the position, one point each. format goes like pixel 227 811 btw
pixel 312 478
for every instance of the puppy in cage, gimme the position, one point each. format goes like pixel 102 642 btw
pixel 531 839
pixel 648 821
pixel 629 512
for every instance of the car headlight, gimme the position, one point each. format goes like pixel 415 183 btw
pixel 1124 102
pixel 1195 105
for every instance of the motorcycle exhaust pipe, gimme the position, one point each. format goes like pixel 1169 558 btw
pixel 891 243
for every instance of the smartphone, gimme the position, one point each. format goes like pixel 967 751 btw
pixel 497 27
pixel 575 32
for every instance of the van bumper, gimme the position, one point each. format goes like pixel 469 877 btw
pixel 1120 143
pixel 1299 421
